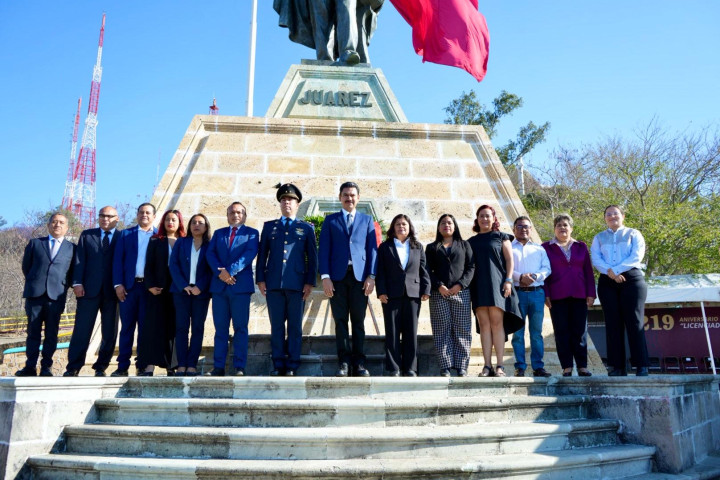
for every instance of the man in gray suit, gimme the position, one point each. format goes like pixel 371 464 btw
pixel 47 267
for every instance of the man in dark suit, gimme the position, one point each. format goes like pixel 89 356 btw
pixel 93 287
pixel 285 273
pixel 230 256
pixel 347 255
pixel 47 267
pixel 128 277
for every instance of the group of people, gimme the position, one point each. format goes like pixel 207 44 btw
pixel 162 280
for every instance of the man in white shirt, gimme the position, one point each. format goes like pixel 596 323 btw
pixel 47 267
pixel 531 268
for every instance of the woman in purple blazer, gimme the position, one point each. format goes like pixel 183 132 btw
pixel 569 291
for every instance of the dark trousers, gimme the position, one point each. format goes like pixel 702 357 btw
pixel 349 300
pixel 569 319
pixel 189 310
pixel 623 306
pixel 132 314
pixel 285 305
pixel 85 315
pixel 42 310
pixel 227 306
pixel 401 319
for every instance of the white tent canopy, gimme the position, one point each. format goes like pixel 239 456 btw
pixel 684 289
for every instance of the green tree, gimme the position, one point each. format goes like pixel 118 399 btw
pixel 467 110
pixel 666 182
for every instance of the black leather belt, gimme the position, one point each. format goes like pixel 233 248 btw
pixel 528 289
pixel 139 279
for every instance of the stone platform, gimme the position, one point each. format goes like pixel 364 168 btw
pixel 368 428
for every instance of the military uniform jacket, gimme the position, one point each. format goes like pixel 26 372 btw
pixel 288 256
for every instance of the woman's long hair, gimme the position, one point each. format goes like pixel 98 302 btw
pixel 162 233
pixel 411 235
pixel 456 233
pixel 206 235
pixel 495 225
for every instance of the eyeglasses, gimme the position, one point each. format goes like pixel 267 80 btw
pixel 523 227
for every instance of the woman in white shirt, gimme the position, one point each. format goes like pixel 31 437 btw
pixel 617 253
pixel 401 281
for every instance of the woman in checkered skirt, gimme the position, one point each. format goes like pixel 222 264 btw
pixel 451 267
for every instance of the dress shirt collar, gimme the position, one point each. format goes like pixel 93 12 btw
pixel 554 241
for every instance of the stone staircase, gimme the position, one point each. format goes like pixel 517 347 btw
pixel 333 428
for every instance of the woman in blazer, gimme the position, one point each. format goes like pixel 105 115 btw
pixel 190 288
pixel 402 281
pixel 451 266
pixel 569 292
pixel 617 253
pixel 158 336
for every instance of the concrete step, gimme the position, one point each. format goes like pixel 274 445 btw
pixel 608 462
pixel 321 412
pixel 464 441
pixel 332 387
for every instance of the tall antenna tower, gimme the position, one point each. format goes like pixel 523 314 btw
pixel 68 195
pixel 214 109
pixel 83 188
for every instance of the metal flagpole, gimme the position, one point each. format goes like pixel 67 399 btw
pixel 251 63
pixel 707 335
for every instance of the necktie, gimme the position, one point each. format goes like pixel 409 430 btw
pixel 286 222
pixel 106 241
pixel 232 235
pixel 54 247
pixel 350 222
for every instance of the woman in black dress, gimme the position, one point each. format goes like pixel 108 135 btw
pixel 158 337
pixel 493 297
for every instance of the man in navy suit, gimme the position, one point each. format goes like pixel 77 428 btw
pixel 230 256
pixel 128 277
pixel 47 267
pixel 347 256
pixel 285 273
pixel 93 287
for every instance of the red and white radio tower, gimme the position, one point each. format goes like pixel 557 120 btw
pixel 68 195
pixel 214 109
pixel 82 203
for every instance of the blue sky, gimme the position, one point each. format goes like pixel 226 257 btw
pixel 590 68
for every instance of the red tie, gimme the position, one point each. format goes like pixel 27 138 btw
pixel 232 236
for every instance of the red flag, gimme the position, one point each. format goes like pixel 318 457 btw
pixel 448 32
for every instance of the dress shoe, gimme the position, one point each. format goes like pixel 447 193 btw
pixel 617 373
pixel 70 373
pixel 191 373
pixel 461 372
pixel 642 372
pixel 568 374
pixel 289 372
pixel 45 372
pixel 445 372
pixel 145 374
pixel 361 371
pixel 119 373
pixel 394 373
pixel 26 372
pixel 342 370
pixel 409 373
pixel 350 57
pixel 99 373
pixel 541 372
pixel 276 373
pixel 216 372
pixel 519 372
pixel 171 372
pixel 239 372
pixel 584 373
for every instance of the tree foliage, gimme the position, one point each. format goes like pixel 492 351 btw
pixel 668 184
pixel 467 110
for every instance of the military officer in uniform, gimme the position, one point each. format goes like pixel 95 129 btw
pixel 285 275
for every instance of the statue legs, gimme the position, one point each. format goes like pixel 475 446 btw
pixel 322 27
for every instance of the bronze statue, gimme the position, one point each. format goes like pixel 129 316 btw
pixel 338 30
